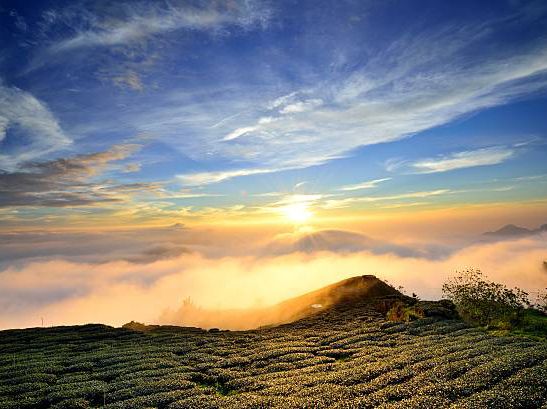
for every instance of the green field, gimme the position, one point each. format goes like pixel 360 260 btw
pixel 346 356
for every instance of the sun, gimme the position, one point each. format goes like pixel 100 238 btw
pixel 297 212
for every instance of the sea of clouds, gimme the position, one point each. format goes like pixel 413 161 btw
pixel 69 278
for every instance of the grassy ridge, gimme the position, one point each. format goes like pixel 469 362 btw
pixel 533 324
pixel 347 356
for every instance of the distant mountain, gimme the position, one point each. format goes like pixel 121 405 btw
pixel 177 226
pixel 337 241
pixel 512 231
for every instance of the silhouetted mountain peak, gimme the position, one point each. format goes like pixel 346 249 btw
pixel 512 229
pixel 177 226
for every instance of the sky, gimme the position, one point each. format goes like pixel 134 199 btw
pixel 232 129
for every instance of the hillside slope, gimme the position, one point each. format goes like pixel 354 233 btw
pixel 344 356
pixel 364 287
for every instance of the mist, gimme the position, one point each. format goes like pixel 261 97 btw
pixel 151 288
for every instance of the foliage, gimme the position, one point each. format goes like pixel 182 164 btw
pixel 406 309
pixel 540 303
pixel 340 358
pixel 533 324
pixel 484 302
pixel 400 312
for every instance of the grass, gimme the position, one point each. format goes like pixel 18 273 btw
pixel 533 325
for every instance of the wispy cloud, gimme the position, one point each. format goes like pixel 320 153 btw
pixel 298 198
pixel 132 167
pixel 377 103
pixel 206 178
pixel 130 79
pixel 32 128
pixel 465 159
pixel 134 21
pixel 189 194
pixel 404 205
pixel 282 100
pixel 236 133
pixel 364 185
pixel 302 106
pixel 348 201
pixel 269 194
pixel 277 117
pixel 399 91
pixel 68 181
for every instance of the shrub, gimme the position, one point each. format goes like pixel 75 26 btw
pixel 399 312
pixel 541 300
pixel 484 302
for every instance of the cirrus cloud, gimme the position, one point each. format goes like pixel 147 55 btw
pixel 465 159
pixel 28 129
pixel 138 20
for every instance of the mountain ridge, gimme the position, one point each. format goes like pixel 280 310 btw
pixel 359 289
pixel 512 230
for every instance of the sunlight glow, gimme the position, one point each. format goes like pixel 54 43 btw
pixel 297 212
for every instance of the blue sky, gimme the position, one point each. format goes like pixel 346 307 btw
pixel 174 109
pixel 150 150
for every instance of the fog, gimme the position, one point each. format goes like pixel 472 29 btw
pixel 221 272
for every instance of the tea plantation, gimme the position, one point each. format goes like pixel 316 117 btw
pixel 345 356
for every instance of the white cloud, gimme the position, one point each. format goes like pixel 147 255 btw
pixel 205 178
pixel 340 203
pixel 394 164
pixel 466 159
pixel 188 194
pixel 269 194
pixel 410 104
pixel 130 80
pixel 24 114
pixel 265 120
pixel 364 185
pixel 282 100
pixel 416 82
pixel 236 133
pixel 411 195
pixel 302 106
pixel 299 198
pixel 142 20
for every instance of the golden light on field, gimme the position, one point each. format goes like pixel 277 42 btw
pixel 297 212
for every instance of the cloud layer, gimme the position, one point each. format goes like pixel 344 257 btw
pixel 142 287
pixel 67 182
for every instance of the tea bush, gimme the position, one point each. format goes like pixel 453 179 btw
pixel 346 357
